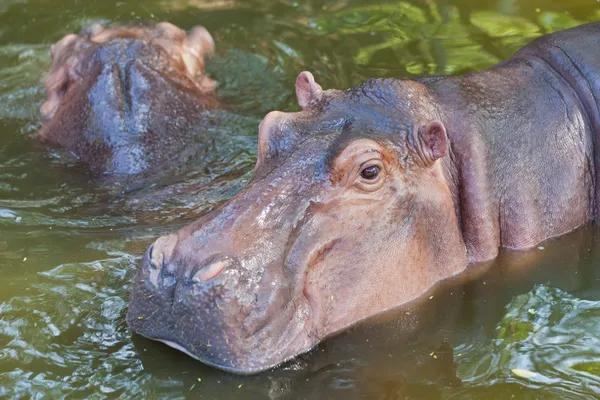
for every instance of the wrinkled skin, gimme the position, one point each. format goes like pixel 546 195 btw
pixel 367 198
pixel 129 99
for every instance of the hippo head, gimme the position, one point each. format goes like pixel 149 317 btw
pixel 121 97
pixel 348 214
pixel 75 56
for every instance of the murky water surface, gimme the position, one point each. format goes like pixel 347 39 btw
pixel 529 328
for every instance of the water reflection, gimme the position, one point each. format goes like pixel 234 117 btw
pixel 68 246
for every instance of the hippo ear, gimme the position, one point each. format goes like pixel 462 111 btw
pixel 433 141
pixel 92 30
pixel 201 41
pixel 307 89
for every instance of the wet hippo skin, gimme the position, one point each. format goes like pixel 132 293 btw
pixel 366 198
pixel 128 99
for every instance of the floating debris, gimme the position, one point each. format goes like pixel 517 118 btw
pixel 523 373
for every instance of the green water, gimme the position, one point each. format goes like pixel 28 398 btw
pixel 527 329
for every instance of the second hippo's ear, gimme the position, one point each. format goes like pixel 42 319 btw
pixel 433 141
pixel 307 89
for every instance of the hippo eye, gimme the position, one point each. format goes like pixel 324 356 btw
pixel 371 177
pixel 370 173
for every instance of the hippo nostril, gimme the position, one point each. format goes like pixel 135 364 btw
pixel 209 272
pixel 159 255
pixel 156 258
pixel 150 251
pixel 161 250
pixel 168 274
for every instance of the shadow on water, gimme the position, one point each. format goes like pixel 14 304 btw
pixel 524 326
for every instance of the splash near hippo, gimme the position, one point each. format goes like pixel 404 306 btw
pixel 368 197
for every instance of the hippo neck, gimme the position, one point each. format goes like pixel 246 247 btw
pixel 503 165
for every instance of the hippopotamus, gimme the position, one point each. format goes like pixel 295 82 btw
pixel 366 198
pixel 129 99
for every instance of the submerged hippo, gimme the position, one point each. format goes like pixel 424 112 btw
pixel 125 99
pixel 368 197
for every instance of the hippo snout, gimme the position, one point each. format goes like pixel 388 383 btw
pixel 221 309
pixel 163 270
pixel 192 302
pixel 226 296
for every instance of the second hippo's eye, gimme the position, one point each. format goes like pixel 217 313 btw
pixel 370 173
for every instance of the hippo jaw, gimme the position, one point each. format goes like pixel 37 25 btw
pixel 239 359
pixel 242 365
pixel 239 356
pixel 342 220
pixel 210 314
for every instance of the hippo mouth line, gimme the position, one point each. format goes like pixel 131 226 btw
pixel 222 367
pixel 315 259
pixel 298 340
